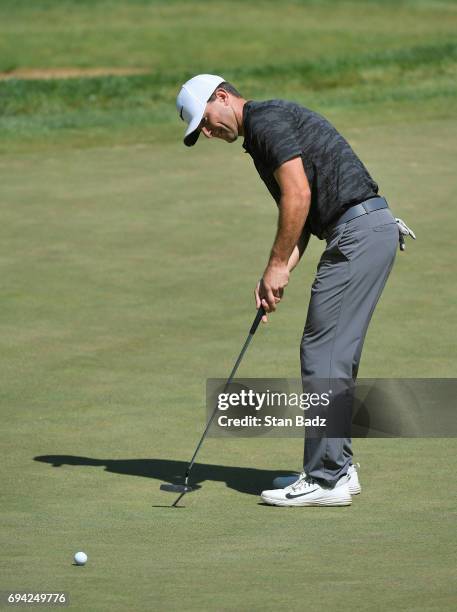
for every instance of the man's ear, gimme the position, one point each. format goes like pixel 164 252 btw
pixel 223 96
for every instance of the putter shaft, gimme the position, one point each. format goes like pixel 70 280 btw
pixel 254 326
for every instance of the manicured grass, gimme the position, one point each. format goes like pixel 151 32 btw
pixel 128 263
pixel 127 276
pixel 181 35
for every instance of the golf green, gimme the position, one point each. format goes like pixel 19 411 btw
pixel 127 266
pixel 127 276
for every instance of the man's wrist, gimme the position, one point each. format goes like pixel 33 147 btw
pixel 277 261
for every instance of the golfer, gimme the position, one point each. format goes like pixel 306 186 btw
pixel 322 188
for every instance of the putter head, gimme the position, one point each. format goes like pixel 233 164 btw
pixel 176 488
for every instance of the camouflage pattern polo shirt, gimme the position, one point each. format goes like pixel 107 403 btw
pixel 276 131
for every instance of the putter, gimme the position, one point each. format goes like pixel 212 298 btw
pixel 182 489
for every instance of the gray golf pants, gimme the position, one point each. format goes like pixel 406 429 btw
pixel 350 278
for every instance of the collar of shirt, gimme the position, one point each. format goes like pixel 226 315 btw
pixel 246 109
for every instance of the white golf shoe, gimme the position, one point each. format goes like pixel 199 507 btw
pixel 353 479
pixel 281 482
pixel 305 492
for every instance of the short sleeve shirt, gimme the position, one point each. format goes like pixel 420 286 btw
pixel 276 131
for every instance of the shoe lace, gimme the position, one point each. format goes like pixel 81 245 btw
pixel 301 482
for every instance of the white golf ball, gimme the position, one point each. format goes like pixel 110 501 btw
pixel 80 558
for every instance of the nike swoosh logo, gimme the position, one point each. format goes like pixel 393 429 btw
pixel 290 496
pixel 180 113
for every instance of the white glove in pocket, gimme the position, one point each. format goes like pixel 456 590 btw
pixel 404 230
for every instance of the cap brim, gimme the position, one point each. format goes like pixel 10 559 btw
pixel 192 133
pixel 192 138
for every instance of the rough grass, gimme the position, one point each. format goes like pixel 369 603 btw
pixel 376 58
pixel 382 68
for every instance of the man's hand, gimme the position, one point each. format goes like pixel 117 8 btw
pixel 270 288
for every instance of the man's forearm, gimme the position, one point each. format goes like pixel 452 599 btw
pixel 299 249
pixel 293 211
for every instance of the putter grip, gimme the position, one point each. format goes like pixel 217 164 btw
pixel 257 320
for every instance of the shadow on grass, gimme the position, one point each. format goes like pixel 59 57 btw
pixel 245 480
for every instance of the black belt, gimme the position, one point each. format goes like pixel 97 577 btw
pixel 364 208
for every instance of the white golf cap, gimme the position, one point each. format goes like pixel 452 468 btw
pixel 191 102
